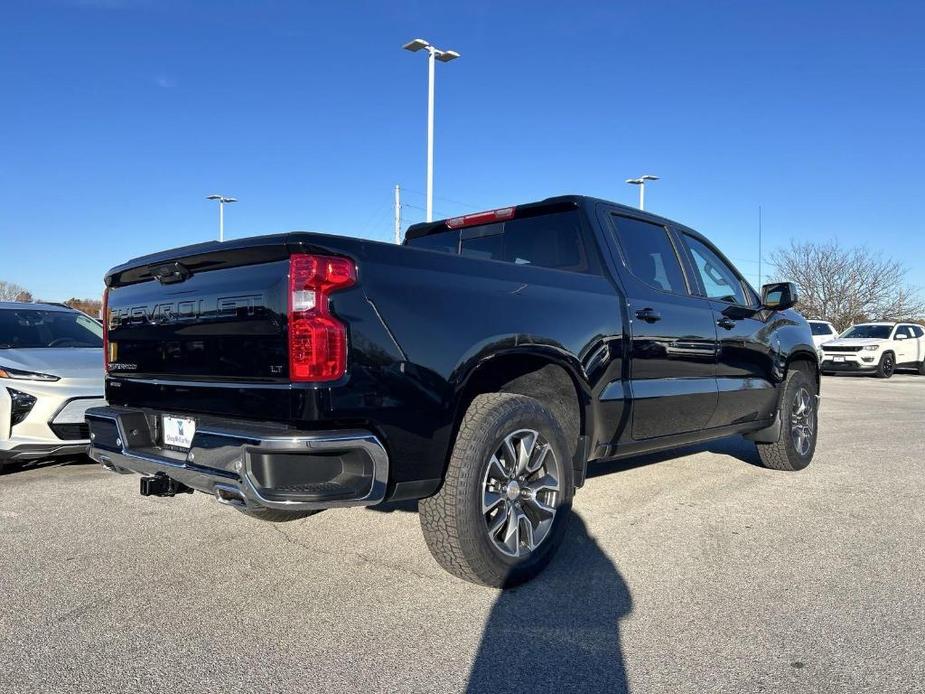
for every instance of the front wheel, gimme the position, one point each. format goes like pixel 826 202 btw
pixel 887 365
pixel 799 423
pixel 502 510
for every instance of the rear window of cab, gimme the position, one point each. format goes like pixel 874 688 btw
pixel 553 240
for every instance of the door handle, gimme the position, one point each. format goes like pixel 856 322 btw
pixel 726 323
pixel 648 315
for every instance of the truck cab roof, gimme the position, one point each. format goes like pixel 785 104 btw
pixel 547 205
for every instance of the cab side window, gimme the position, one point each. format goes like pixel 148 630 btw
pixel 903 330
pixel 916 330
pixel 719 280
pixel 649 254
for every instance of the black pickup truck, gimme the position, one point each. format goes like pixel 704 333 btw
pixel 479 367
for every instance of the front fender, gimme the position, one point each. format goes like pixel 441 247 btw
pixel 792 340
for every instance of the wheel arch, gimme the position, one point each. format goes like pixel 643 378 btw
pixel 806 359
pixel 540 375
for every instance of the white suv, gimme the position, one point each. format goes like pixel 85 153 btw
pixel 877 348
pixel 51 371
pixel 823 331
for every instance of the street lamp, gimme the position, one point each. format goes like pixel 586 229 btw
pixel 433 54
pixel 641 182
pixel 221 212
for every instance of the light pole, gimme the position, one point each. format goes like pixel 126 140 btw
pixel 433 54
pixel 221 212
pixel 641 182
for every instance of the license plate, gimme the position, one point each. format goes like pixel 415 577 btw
pixel 178 431
pixel 838 359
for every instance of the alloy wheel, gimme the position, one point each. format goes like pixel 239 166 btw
pixel 801 421
pixel 888 365
pixel 520 493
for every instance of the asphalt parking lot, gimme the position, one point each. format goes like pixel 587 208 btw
pixel 691 572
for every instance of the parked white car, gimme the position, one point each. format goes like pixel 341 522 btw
pixel 823 331
pixel 878 348
pixel 51 371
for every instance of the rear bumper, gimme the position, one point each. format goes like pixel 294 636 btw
pixel 247 464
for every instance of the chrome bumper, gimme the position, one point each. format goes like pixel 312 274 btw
pixel 241 464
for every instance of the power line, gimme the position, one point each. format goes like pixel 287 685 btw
pixel 438 197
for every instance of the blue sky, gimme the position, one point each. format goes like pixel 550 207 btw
pixel 119 116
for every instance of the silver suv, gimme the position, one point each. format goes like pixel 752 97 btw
pixel 51 371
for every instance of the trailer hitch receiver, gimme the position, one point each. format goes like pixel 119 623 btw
pixel 162 485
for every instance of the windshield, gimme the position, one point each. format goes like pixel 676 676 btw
pixel 35 329
pixel 820 328
pixel 879 332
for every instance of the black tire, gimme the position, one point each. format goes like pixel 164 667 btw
pixel 271 515
pixel 784 454
pixel 922 368
pixel 887 366
pixel 454 522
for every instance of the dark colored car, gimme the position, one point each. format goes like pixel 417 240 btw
pixel 480 367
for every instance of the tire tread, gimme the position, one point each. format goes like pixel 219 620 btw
pixel 450 539
pixel 777 455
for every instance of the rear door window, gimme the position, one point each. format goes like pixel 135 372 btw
pixel 649 254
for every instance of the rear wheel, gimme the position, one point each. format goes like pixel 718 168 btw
pixel 799 419
pixel 502 510
pixel 922 368
pixel 887 365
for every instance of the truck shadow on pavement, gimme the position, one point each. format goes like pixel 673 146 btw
pixel 561 631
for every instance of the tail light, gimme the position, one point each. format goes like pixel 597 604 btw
pixel 105 317
pixel 317 340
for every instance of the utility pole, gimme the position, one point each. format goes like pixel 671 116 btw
pixel 433 54
pixel 397 215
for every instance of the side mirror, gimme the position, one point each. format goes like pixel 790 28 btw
pixel 900 337
pixel 779 296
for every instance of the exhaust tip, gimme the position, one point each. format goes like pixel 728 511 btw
pixel 230 496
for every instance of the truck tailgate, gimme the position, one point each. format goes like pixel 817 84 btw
pixel 219 324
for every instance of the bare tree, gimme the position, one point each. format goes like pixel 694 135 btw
pixel 91 307
pixel 847 285
pixel 10 291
